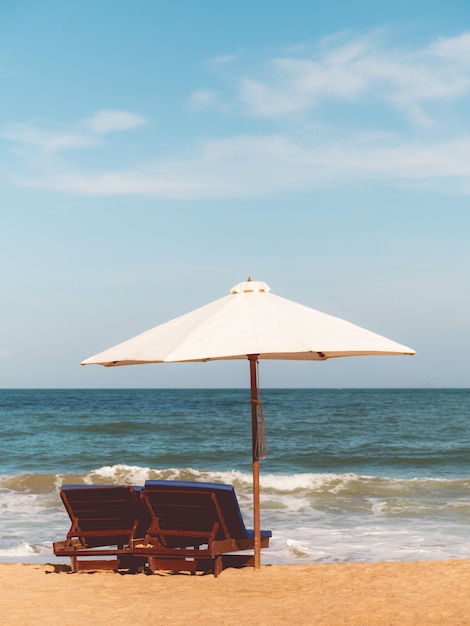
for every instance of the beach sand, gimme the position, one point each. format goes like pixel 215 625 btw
pixel 420 593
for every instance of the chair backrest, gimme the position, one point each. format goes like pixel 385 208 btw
pixel 192 507
pixel 103 514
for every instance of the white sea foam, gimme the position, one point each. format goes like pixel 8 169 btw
pixel 20 550
pixel 296 482
pixel 120 473
pixel 297 549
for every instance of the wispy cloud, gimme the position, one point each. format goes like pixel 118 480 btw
pixel 350 69
pixel 110 121
pixel 222 59
pixel 359 73
pixel 250 165
pixel 50 138
pixel 202 98
pixel 46 140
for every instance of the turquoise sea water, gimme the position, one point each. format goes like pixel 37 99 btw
pixel 350 475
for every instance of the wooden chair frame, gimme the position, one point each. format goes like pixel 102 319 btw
pixel 193 527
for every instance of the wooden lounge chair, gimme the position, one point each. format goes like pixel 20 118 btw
pixel 194 527
pixel 105 521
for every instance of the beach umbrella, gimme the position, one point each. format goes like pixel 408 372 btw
pixel 250 323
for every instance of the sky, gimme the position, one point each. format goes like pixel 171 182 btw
pixel 153 154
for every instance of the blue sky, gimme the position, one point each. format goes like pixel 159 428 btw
pixel 154 154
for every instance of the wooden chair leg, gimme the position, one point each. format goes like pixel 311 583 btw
pixel 218 565
pixel 151 564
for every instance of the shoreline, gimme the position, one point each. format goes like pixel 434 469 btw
pixel 423 593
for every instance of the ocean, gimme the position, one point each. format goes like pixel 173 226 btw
pixel 350 474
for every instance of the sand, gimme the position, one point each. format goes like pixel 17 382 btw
pixel 420 593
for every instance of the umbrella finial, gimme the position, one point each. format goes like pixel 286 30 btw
pixel 251 286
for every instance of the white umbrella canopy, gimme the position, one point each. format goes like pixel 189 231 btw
pixel 251 323
pixel 251 320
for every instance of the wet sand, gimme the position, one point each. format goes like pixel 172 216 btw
pixel 420 593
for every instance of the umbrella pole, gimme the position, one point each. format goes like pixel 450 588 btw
pixel 253 358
